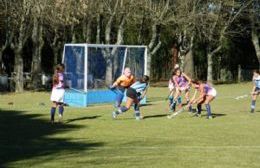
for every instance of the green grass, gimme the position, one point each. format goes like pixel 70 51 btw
pixel 90 138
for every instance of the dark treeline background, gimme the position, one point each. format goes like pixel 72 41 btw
pixel 210 39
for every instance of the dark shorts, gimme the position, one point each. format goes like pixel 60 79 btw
pixel 120 88
pixel 131 93
pixel 257 90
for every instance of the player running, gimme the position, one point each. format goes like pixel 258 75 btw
pixel 256 89
pixel 121 84
pixel 135 93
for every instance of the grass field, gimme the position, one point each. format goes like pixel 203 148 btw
pixel 89 137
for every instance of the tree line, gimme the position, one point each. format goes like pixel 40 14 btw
pixel 208 38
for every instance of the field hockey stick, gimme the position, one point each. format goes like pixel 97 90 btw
pixel 178 112
pixel 246 95
pixel 242 96
pixel 115 90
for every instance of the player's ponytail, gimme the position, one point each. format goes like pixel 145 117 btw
pixel 196 81
pixel 257 71
pixel 55 77
pixel 144 79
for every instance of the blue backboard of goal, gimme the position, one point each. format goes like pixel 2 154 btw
pixel 90 68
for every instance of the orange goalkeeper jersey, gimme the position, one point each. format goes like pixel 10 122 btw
pixel 124 81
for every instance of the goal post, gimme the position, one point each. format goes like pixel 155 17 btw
pixel 90 68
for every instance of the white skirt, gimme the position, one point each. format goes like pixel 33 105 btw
pixel 57 95
pixel 185 88
pixel 171 87
pixel 212 92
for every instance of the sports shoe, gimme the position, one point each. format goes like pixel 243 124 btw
pixel 60 118
pixel 252 110
pixel 114 115
pixel 197 115
pixel 210 117
pixel 139 118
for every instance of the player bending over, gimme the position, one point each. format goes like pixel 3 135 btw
pixel 135 93
pixel 207 94
pixel 182 84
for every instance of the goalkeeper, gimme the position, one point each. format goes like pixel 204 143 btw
pixel 135 93
pixel 123 82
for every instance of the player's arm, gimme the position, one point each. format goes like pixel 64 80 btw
pixel 144 92
pixel 117 82
pixel 176 83
pixel 187 78
pixel 202 94
pixel 193 97
pixel 253 90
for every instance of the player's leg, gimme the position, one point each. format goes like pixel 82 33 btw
pixel 61 110
pixel 176 99
pixel 123 109
pixel 253 102
pixel 187 95
pixel 119 98
pixel 53 110
pixel 138 115
pixel 209 98
pixel 199 104
pixel 171 99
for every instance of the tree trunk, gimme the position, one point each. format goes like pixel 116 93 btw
pixel 255 40
pixel 189 64
pixel 189 61
pixel 153 46
pixel 108 56
pixel 18 69
pixel 18 50
pixel 98 29
pixel 87 30
pixel 55 45
pixel 2 66
pixel 210 67
pixel 141 31
pixel 38 43
pixel 175 52
pixel 73 34
pixel 210 62
pixel 56 55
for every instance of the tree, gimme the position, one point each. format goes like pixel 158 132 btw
pixel 20 15
pixel 255 24
pixel 216 18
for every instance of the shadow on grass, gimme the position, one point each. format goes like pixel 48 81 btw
pixel 155 116
pixel 25 136
pixel 82 118
pixel 147 104
pixel 215 115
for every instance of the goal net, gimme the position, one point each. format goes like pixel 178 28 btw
pixel 94 66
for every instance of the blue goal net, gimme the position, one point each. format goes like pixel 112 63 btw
pixel 91 66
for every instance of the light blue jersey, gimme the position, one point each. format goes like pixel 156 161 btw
pixel 257 81
pixel 139 87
